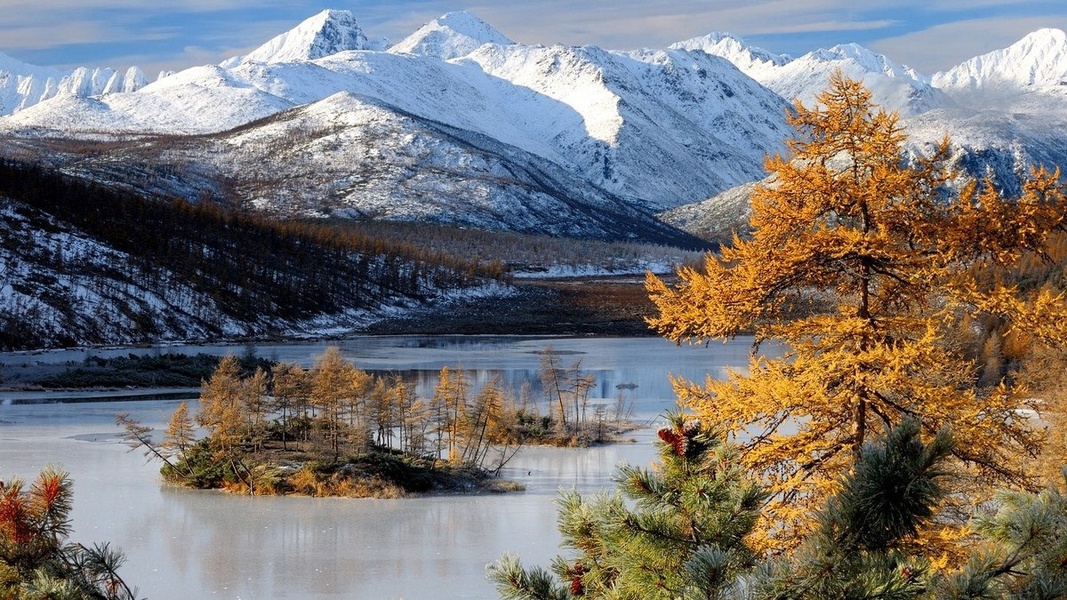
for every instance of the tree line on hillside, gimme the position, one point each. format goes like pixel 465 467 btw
pixel 522 252
pixel 255 270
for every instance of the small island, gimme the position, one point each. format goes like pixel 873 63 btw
pixel 335 430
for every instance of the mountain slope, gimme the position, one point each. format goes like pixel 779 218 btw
pixel 718 218
pixel 356 157
pixel 85 265
pixel 707 125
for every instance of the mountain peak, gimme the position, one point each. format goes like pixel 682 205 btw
pixel 1044 37
pixel 329 32
pixel 1038 60
pixel 749 59
pixel 451 35
pixel 866 58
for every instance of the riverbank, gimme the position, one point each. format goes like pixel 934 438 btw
pixel 583 306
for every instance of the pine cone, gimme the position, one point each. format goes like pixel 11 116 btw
pixel 577 587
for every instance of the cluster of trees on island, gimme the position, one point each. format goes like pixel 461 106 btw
pixel 909 442
pixel 336 429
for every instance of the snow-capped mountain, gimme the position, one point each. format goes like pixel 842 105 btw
pixel 452 35
pixel 1038 62
pixel 458 123
pixel 327 33
pixel 23 85
pixel 595 115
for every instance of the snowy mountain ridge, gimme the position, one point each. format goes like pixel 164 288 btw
pixel 23 85
pixel 599 115
pixel 653 128
pixel 1036 62
pixel 750 59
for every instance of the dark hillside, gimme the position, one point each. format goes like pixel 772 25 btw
pixel 83 263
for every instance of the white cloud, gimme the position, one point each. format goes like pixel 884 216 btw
pixel 42 36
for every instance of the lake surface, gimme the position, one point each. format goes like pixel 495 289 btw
pixel 189 544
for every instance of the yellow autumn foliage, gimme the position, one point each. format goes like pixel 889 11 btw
pixel 864 263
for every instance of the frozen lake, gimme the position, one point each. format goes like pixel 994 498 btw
pixel 187 544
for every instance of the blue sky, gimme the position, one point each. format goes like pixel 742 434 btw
pixel 927 35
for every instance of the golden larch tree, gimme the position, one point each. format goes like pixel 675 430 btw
pixel 221 411
pixel 332 392
pixel 291 391
pixel 862 263
pixel 449 403
pixel 181 433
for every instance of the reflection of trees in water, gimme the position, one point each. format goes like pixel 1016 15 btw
pixel 651 391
